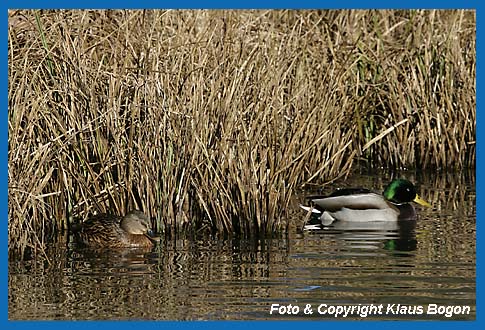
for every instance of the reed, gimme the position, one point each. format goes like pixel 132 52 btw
pixel 208 120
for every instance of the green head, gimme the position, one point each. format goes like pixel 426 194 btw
pixel 402 191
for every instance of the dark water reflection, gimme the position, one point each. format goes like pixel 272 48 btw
pixel 431 261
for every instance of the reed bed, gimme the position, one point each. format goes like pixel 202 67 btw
pixel 209 120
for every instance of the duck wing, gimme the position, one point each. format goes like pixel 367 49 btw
pixel 98 222
pixel 349 191
pixel 357 201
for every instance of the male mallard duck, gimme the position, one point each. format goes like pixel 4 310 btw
pixel 112 231
pixel 362 205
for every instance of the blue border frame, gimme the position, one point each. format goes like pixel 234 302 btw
pixel 243 4
pixel 238 4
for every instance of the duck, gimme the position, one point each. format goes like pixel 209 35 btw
pixel 112 231
pixel 361 205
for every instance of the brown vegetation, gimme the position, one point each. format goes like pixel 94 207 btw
pixel 209 120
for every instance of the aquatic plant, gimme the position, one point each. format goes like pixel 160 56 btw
pixel 208 120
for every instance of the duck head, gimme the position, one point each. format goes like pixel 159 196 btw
pixel 402 191
pixel 137 223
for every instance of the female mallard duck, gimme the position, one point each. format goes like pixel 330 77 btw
pixel 362 205
pixel 112 231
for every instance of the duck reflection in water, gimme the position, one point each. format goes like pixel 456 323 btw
pixel 360 214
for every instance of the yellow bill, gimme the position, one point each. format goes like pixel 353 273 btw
pixel 421 201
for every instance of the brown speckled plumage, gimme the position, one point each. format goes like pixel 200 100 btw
pixel 112 231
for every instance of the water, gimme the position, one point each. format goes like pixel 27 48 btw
pixel 425 265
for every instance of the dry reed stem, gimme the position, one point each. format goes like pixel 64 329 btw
pixel 211 119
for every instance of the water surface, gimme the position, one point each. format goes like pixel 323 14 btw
pixel 405 268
